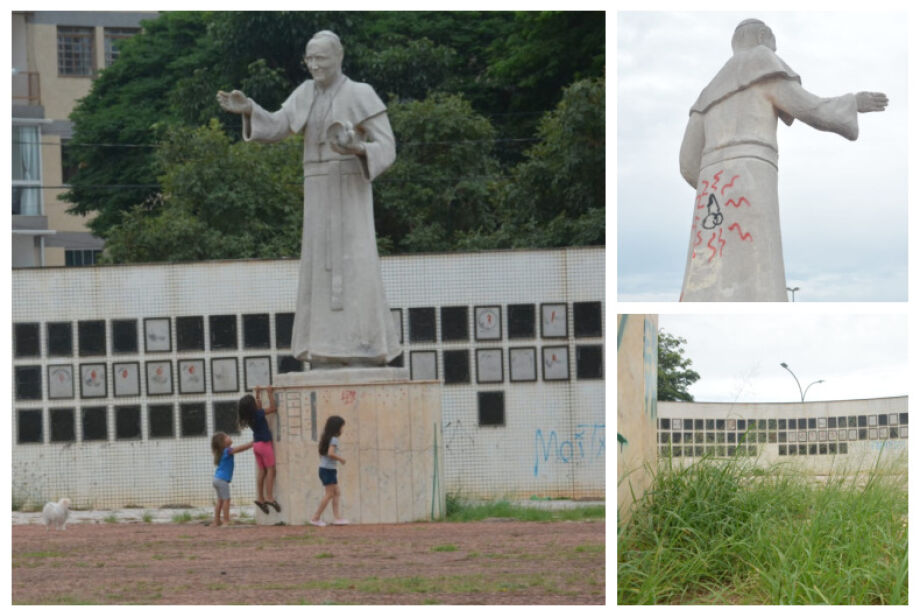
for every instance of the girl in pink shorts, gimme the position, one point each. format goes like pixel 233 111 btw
pixel 253 416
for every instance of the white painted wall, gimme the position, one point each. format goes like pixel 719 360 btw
pixel 553 442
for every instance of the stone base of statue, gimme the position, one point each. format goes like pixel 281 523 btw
pixel 391 441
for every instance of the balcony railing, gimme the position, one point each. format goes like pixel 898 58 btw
pixel 26 88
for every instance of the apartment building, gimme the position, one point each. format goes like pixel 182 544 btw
pixel 56 56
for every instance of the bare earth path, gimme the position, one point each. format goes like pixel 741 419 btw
pixel 488 562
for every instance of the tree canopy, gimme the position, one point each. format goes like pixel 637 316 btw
pixel 498 116
pixel 674 373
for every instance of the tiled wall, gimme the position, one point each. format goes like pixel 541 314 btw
pixel 817 435
pixel 122 373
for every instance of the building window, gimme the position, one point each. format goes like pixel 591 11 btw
pixel 75 50
pixel 113 37
pixel 27 172
pixel 81 258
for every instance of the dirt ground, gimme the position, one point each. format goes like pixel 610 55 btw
pixel 488 562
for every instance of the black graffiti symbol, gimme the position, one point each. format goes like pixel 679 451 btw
pixel 714 217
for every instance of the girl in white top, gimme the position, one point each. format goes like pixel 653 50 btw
pixel 328 473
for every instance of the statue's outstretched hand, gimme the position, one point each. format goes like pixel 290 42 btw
pixel 870 101
pixel 234 102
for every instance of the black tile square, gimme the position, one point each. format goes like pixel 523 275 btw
pixel 586 318
pixel 698 437
pixel 226 418
pixel 893 433
pixel 284 328
pixel 698 424
pixel 664 423
pixel 731 437
pixel 842 448
pixel 832 422
pixel 803 449
pixel 288 364
pixel 812 449
pixel 812 423
pixel 160 421
pixel 456 366
pixel 192 419
pixel 95 423
pixel 190 333
pixel 720 423
pixel 710 437
pixel 861 419
pixel 223 332
pixel 762 424
pixel 851 421
pixel 730 450
pixel 698 451
pixel 822 449
pixel 782 423
pixel 455 326
pixel 761 436
pixel 29 427
pixel 710 424
pixel 676 451
pixel 771 437
pixel 803 424
pixel 710 451
pixel 832 448
pixel 256 331
pixel 862 434
pixel 421 325
pixel 522 321
pixel 664 437
pixel 792 449
pixel 127 422
pixel 771 424
pixel 124 336
pixel 60 339
pixel 781 436
pixel 742 426
pixel 883 420
pixel 26 340
pixel 903 418
pixel 782 449
pixel 91 337
pixel 589 362
pixel 28 381
pixel 675 437
pixel 491 408
pixel 62 425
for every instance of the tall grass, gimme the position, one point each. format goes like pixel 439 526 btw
pixel 718 531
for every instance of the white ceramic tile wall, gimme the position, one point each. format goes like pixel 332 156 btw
pixel 552 442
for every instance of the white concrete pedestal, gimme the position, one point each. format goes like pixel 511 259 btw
pixel 391 441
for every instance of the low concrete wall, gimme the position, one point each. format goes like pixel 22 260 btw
pixel 637 398
pixel 840 437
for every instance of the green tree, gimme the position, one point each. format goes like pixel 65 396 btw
pixel 674 373
pixel 440 188
pixel 220 199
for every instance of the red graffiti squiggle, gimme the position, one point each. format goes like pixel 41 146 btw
pixel 722 242
pixel 738 203
pixel 711 247
pixel 699 197
pixel 716 177
pixel 729 184
pixel 744 236
pixel 699 238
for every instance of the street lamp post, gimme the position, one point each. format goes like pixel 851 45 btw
pixel 792 290
pixel 801 392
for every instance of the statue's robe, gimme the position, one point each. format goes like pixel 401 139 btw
pixel 729 155
pixel 342 315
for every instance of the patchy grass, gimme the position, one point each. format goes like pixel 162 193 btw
pixel 716 532
pixel 112 518
pixel 462 510
pixel 444 548
pixel 453 584
pixel 183 517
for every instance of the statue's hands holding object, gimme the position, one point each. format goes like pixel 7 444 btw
pixel 234 102
pixel 870 101
pixel 344 140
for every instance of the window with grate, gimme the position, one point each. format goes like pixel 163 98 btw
pixel 75 50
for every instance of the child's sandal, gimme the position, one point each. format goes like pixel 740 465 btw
pixel 262 507
pixel 274 504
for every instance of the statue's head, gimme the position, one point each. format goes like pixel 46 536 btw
pixel 750 33
pixel 324 56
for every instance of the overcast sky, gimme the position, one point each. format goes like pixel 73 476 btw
pixel 843 204
pixel 738 356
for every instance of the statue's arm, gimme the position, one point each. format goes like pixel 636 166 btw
pixel 258 124
pixel 379 145
pixel 691 150
pixel 837 114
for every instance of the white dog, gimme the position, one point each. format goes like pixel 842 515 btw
pixel 55 513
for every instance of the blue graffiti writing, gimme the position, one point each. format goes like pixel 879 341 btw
pixel 588 443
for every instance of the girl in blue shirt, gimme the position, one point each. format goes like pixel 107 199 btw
pixel 328 473
pixel 223 458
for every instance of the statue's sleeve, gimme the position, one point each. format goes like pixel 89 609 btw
pixel 379 143
pixel 267 127
pixel 836 114
pixel 691 149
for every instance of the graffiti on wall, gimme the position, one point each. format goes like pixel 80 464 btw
pixel 587 444
pixel 650 359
